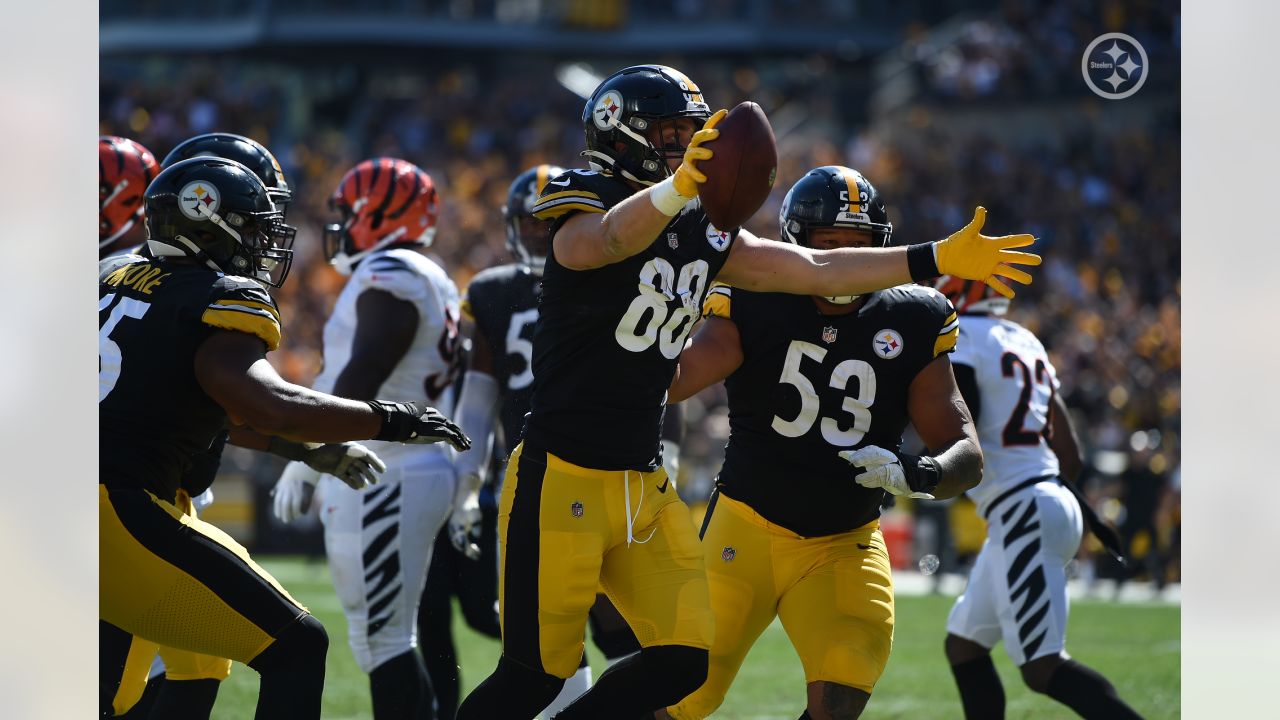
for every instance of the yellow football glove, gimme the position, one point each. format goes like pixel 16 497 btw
pixel 969 254
pixel 687 177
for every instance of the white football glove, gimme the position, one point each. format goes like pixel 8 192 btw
pixel 881 469
pixel 293 491
pixel 464 521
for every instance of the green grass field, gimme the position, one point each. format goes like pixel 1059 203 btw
pixel 1137 646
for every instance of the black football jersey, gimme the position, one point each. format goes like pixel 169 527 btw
pixel 812 385
pixel 503 302
pixel 605 347
pixel 153 416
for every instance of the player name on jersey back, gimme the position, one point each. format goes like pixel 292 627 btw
pixel 812 385
pixel 605 347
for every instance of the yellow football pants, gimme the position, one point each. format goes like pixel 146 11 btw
pixel 566 531
pixel 834 595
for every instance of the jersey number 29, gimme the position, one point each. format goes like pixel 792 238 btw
pixel 859 405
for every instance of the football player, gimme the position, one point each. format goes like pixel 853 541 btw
pixel 182 342
pixel 791 530
pixel 192 679
pixel 1035 517
pixel 125 169
pixel 502 303
pixel 393 333
pixel 586 502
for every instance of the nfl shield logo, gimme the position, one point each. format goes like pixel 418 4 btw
pixel 673 240
pixel 728 554
pixel 576 509
pixel 828 335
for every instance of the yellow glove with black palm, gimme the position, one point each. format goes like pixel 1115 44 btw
pixel 687 177
pixel 969 254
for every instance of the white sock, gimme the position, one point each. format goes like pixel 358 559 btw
pixel 573 687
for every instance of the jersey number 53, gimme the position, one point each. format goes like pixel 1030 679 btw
pixel 857 405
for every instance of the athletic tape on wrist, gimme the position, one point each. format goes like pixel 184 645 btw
pixel 666 198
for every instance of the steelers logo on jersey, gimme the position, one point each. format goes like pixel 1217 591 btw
pixel 198 200
pixel 887 344
pixel 718 239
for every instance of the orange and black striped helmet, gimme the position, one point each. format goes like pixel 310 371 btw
pixel 383 202
pixel 125 169
pixel 971 297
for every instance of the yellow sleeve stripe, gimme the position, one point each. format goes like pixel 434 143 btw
pixel 251 304
pixel 567 193
pixel 951 323
pixel 718 303
pixel 466 308
pixel 555 212
pixel 947 342
pixel 250 321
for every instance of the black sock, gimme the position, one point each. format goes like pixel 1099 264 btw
pixel 513 691
pixel 653 678
pixel 292 672
pixel 980 689
pixel 442 671
pixel 185 699
pixel 1086 691
pixel 805 715
pixel 401 689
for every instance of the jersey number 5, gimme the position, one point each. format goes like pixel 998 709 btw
pixel 639 327
pixel 109 356
pixel 1015 432
pixel 859 406
pixel 517 345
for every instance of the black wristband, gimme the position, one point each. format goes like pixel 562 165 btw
pixel 922 472
pixel 921 263
pixel 286 449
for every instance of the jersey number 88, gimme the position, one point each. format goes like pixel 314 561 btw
pixel 634 334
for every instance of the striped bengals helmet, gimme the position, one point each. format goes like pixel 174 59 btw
pixel 971 297
pixel 383 202
pixel 125 169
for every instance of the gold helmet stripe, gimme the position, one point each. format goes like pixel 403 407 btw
pixel 851 182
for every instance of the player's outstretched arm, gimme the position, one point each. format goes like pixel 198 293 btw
pixel 591 240
pixel 711 356
pixel 232 368
pixel 769 266
pixel 940 417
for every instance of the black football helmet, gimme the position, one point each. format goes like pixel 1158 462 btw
pixel 622 110
pixel 246 151
pixel 220 213
pixel 833 196
pixel 527 236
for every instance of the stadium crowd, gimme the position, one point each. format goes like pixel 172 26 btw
pixel 1104 206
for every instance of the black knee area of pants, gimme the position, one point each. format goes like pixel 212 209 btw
pixel 512 691
pixel 679 668
pixel 305 642
pixel 1088 692
pixel 400 688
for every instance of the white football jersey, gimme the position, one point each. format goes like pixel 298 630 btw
pixel 428 369
pixel 1016 383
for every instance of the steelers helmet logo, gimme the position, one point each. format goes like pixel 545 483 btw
pixel 887 344
pixel 198 200
pixel 608 110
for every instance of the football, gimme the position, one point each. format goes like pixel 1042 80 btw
pixel 741 172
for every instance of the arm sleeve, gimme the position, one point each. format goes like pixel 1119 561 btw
pixel 242 305
pixel 949 332
pixel 476 415
pixel 567 193
pixel 719 302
